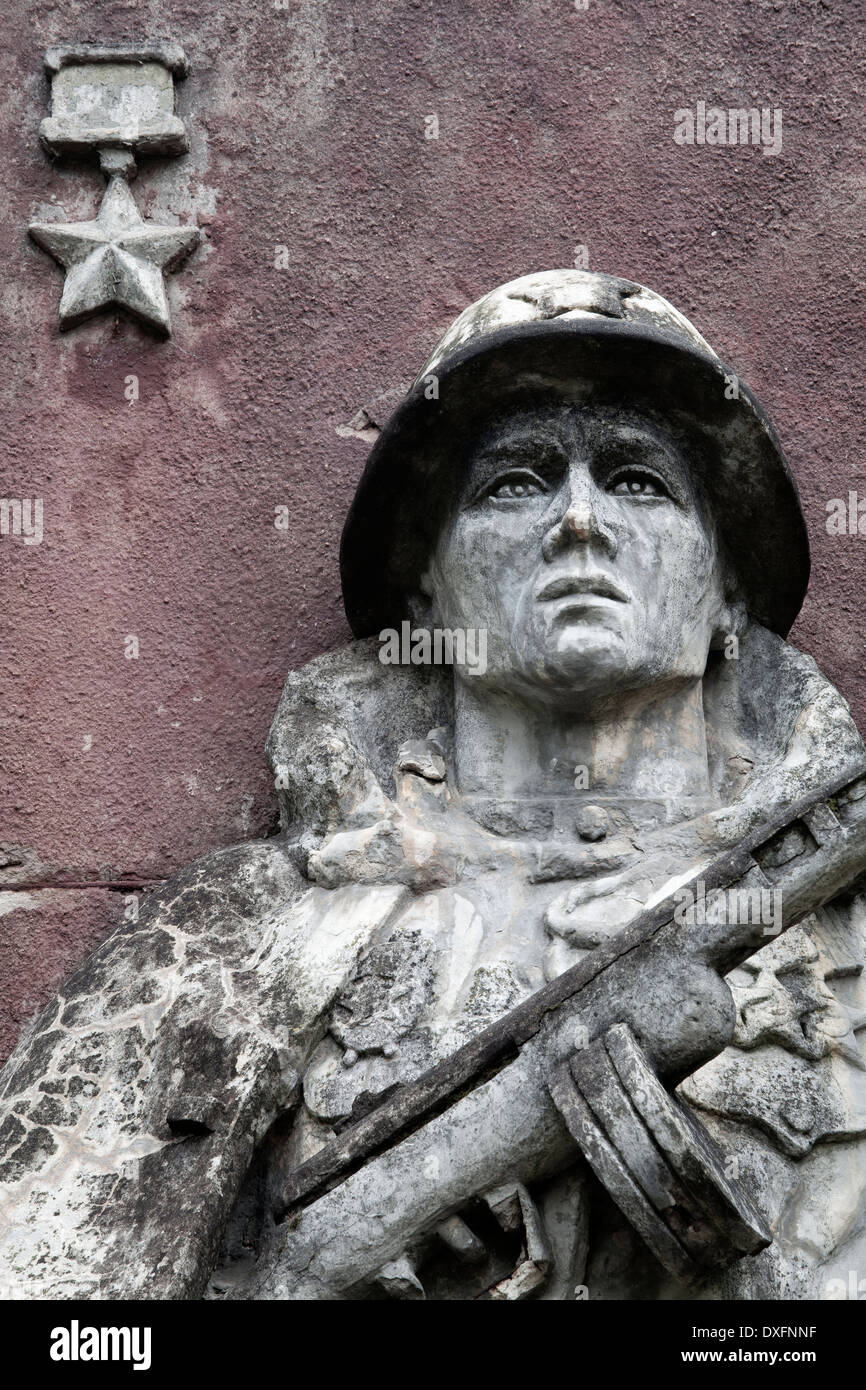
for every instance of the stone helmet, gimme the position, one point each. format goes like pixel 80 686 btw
pixel 577 336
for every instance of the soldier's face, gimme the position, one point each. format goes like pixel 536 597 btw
pixel 579 544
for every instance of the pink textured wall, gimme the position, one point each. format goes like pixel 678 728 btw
pixel 307 128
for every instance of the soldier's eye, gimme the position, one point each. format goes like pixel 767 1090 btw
pixel 516 486
pixel 636 482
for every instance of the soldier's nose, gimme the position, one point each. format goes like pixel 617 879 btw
pixel 578 520
pixel 580 524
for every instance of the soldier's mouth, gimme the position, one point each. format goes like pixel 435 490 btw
pixel 588 586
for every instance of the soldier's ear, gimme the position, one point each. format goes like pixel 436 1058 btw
pixel 732 621
pixel 420 608
pixel 732 618
pixel 422 603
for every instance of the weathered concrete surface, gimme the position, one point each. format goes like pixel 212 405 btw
pixel 97 1106
pixel 307 131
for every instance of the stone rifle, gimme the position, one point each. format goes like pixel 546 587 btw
pixel 578 1066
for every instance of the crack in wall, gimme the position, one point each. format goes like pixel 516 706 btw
pixel 111 884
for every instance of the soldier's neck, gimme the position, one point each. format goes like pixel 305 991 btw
pixel 642 744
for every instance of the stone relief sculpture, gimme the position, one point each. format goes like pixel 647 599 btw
pixel 116 103
pixel 580 503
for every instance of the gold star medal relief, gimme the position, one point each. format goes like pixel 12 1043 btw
pixel 118 102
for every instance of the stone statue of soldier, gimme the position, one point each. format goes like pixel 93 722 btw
pixel 570 565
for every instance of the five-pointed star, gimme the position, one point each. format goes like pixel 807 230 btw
pixel 117 258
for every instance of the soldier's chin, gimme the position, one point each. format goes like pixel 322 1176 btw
pixel 587 658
